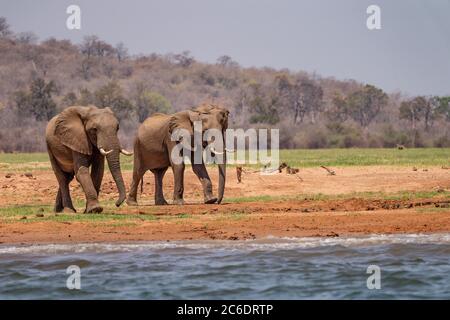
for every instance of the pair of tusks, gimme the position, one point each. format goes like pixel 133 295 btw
pixel 218 152
pixel 123 151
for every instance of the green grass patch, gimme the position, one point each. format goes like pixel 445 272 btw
pixel 432 210
pixel 297 158
pixel 366 157
pixel 403 195
pixel 31 213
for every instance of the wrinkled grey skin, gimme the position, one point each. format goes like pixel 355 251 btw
pixel 75 140
pixel 153 147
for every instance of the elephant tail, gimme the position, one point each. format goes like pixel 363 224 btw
pixel 142 185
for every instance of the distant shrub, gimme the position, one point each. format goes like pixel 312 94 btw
pixel 442 142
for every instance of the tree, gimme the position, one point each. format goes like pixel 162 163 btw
pixel 93 46
pixel 121 52
pixel 5 31
pixel 263 105
pixel 431 108
pixel 151 102
pixel 86 66
pixel 226 61
pixel 444 107
pixel 111 95
pixel 87 47
pixel 38 100
pixel 413 110
pixel 301 97
pixel 311 97
pixel 26 37
pixel 184 59
pixel 365 104
pixel 339 111
pixel 70 99
pixel 86 97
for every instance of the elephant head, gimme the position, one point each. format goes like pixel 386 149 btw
pixel 212 117
pixel 89 130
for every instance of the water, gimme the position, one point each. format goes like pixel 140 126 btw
pixel 412 267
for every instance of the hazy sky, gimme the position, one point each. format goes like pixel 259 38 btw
pixel 410 53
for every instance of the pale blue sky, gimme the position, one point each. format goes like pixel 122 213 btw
pixel 411 53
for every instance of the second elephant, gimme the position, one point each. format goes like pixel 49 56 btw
pixel 153 148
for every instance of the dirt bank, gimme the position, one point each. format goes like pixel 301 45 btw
pixel 234 227
pixel 356 201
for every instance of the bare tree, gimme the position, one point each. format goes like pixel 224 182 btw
pixel 302 96
pixel 121 51
pixel 93 46
pixel 226 61
pixel 413 110
pixel 312 95
pixel 431 111
pixel 184 59
pixel 5 31
pixel 26 38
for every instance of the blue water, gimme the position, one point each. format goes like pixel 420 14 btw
pixel 412 266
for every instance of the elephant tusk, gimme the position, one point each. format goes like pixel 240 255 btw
pixel 215 152
pixel 229 150
pixel 104 153
pixel 125 152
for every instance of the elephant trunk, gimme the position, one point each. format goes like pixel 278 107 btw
pixel 222 176
pixel 113 159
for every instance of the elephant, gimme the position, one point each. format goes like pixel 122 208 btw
pixel 79 138
pixel 153 147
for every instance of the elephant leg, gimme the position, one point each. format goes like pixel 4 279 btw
pixel 138 174
pixel 81 165
pixel 98 168
pixel 205 180
pixel 159 195
pixel 84 178
pixel 63 201
pixel 58 203
pixel 66 200
pixel 178 176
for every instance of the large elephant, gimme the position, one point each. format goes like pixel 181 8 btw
pixel 80 137
pixel 153 149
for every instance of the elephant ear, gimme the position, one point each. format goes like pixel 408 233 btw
pixel 70 130
pixel 173 123
pixel 194 115
pixel 184 119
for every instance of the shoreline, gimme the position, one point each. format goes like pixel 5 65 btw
pixel 264 243
pixel 242 227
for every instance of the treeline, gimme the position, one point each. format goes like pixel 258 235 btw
pixel 39 79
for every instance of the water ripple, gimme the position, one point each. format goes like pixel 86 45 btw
pixel 412 266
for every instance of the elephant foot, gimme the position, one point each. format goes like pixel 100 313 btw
pixel 69 210
pixel 178 201
pixel 132 202
pixel 210 200
pixel 161 202
pixel 95 208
